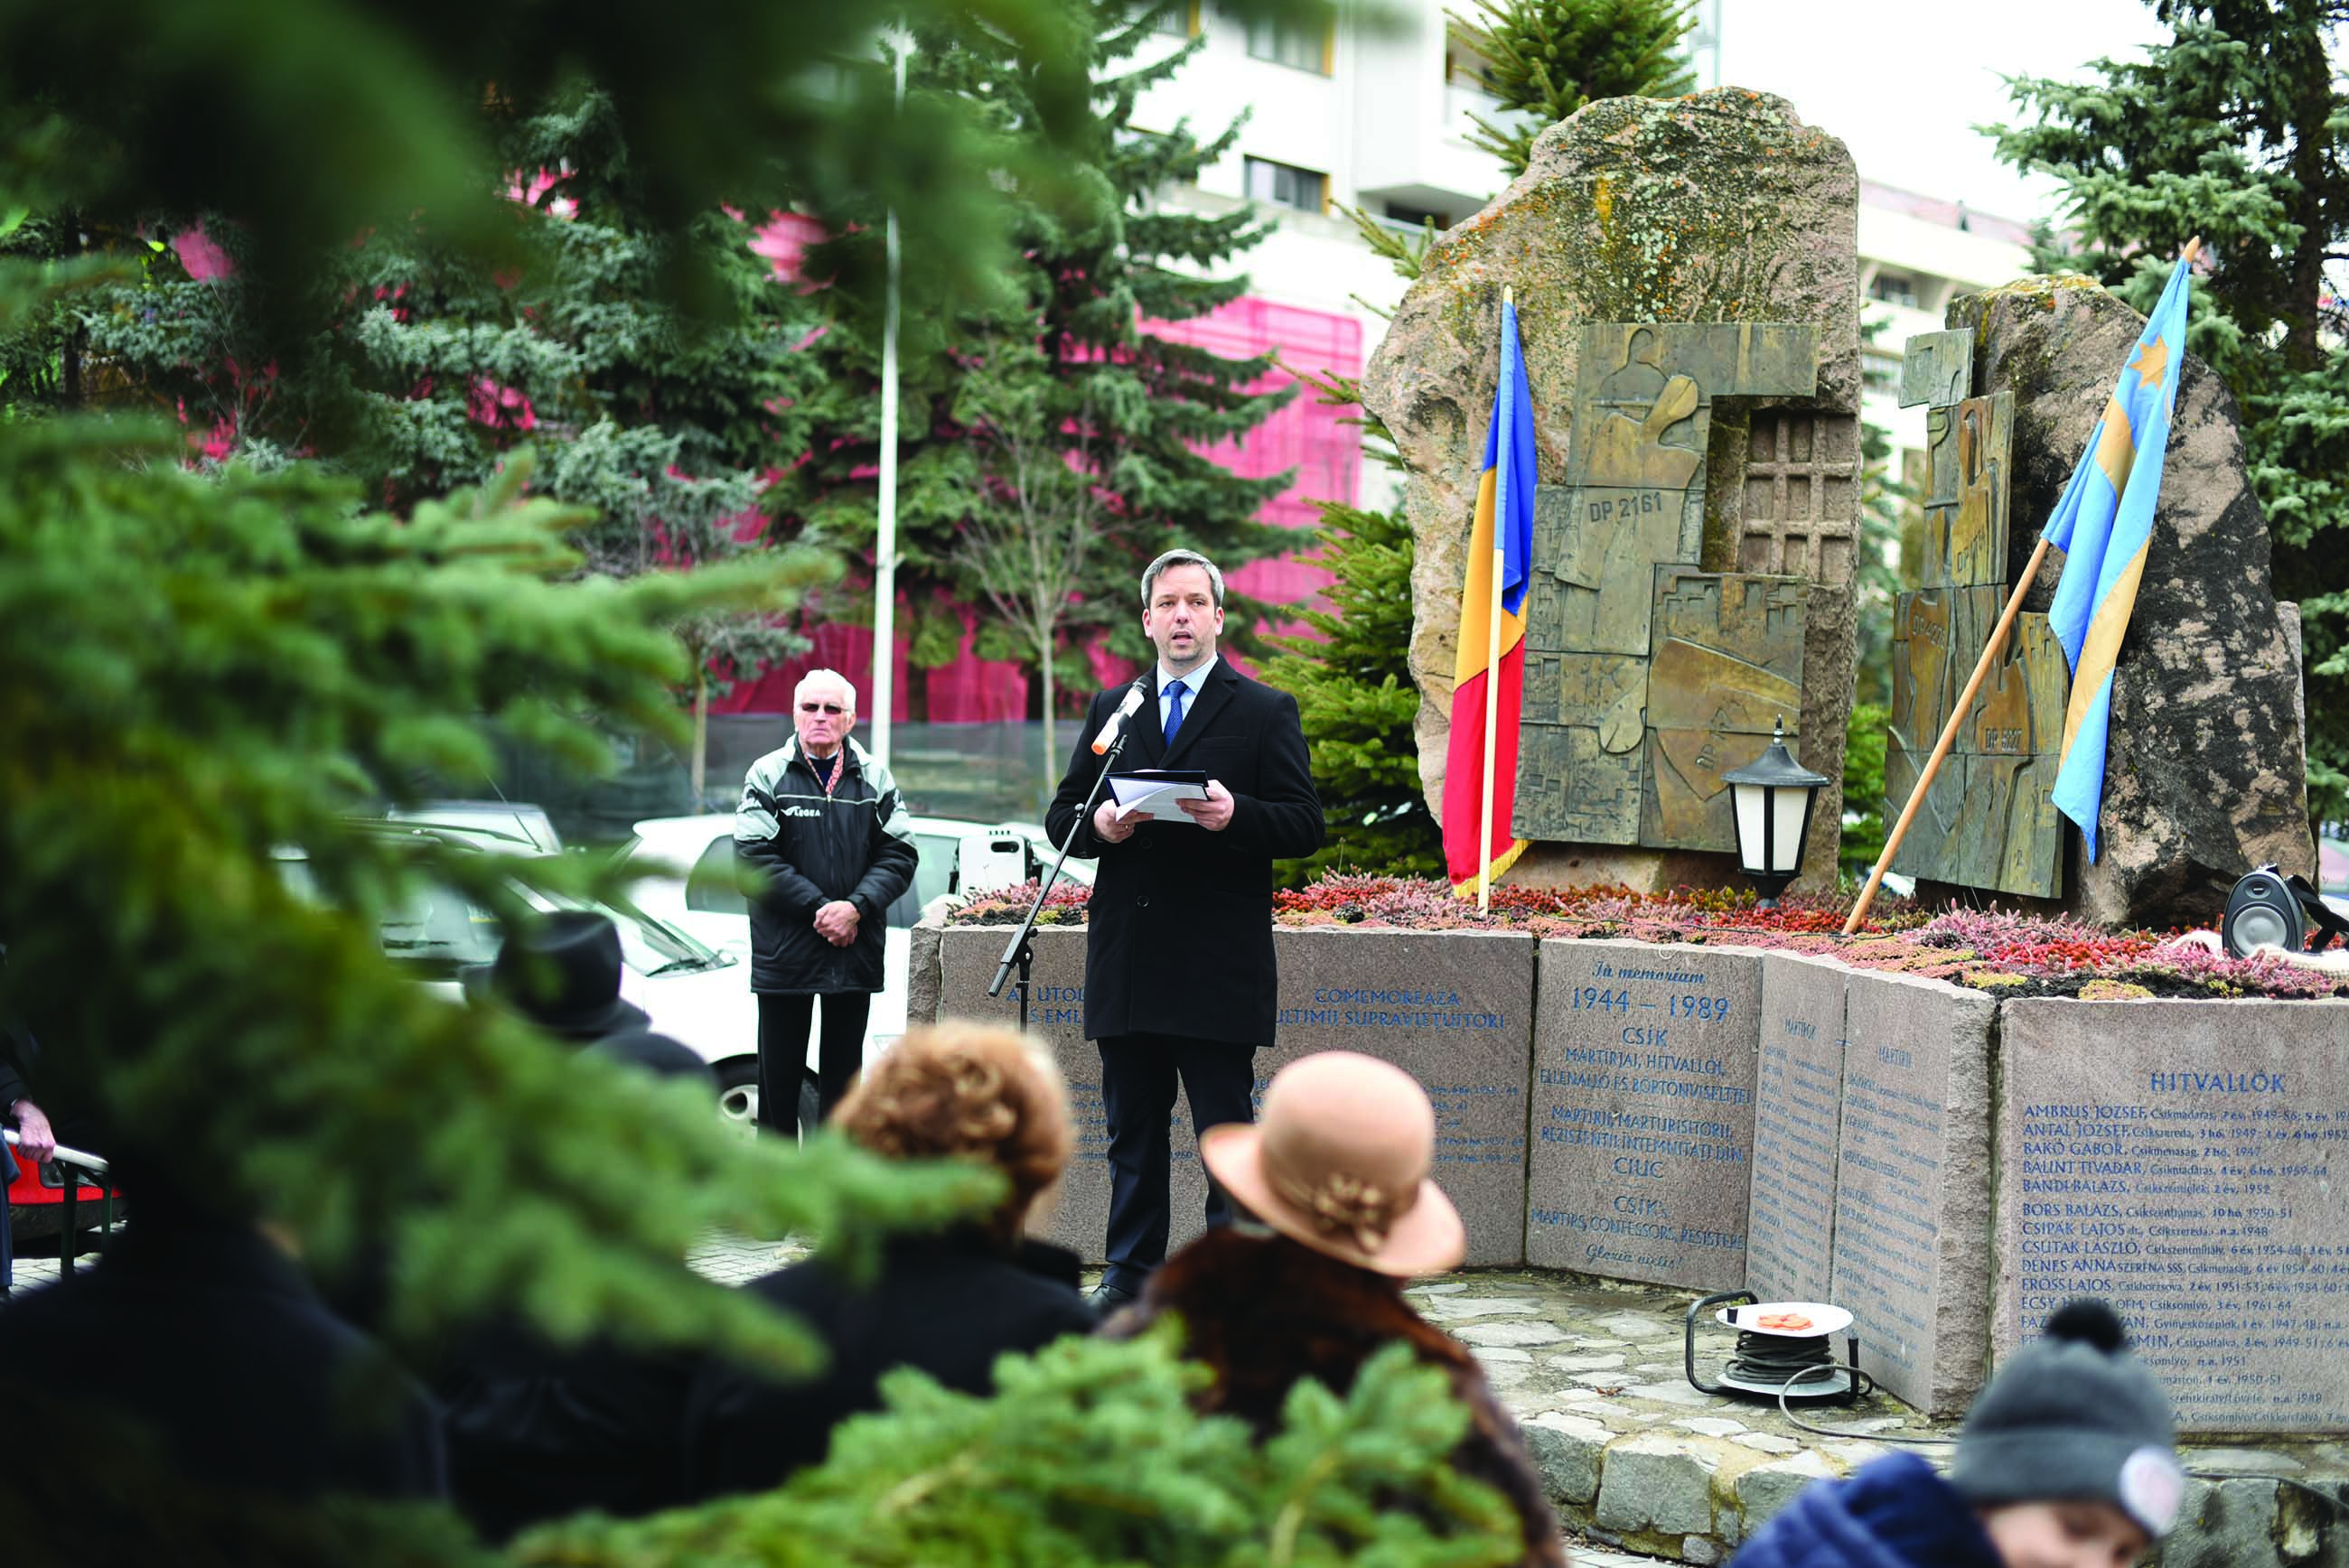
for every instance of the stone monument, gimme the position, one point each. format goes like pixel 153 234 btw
pixel 1687 287
pixel 1912 1185
pixel 2204 777
pixel 1797 1130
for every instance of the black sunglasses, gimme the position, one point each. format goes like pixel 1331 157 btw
pixel 822 708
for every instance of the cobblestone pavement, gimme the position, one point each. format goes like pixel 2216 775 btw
pixel 31 1273
pixel 738 1260
pixel 1636 1457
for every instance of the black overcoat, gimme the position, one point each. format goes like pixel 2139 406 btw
pixel 947 1303
pixel 1180 938
pixel 206 1339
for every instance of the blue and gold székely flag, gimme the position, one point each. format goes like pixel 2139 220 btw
pixel 2103 525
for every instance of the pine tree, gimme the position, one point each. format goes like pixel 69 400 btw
pixel 208 667
pixel 1090 1452
pixel 2235 128
pixel 1355 697
pixel 660 419
pixel 1544 60
pixel 1140 410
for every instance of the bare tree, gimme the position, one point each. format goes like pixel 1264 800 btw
pixel 1042 507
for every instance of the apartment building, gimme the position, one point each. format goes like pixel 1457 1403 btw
pixel 1380 121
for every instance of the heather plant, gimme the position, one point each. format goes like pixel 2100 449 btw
pixel 1008 907
pixel 1993 950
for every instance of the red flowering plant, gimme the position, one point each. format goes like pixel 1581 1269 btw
pixel 1989 950
pixel 1008 907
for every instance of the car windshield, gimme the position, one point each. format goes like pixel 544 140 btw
pixel 439 927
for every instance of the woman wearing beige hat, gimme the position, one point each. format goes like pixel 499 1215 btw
pixel 1336 1173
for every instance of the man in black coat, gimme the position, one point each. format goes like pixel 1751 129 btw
pixel 1179 976
pixel 196 1350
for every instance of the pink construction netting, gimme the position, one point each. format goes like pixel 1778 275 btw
pixel 1306 436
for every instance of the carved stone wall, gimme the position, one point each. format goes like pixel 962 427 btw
pixel 1990 820
pixel 1726 229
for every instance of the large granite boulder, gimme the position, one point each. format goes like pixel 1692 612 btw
pixel 1719 207
pixel 2205 777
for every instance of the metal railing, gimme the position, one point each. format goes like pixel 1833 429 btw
pixel 72 1161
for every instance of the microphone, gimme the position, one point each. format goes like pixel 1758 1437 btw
pixel 1126 710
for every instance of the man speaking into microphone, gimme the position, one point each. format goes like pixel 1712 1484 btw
pixel 1179 978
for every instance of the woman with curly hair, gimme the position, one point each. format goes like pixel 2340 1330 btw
pixel 948 1302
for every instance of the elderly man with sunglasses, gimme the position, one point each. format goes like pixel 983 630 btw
pixel 823 836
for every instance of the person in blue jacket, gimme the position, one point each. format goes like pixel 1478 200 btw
pixel 2067 1459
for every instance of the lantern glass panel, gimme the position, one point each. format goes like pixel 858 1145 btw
pixel 1751 800
pixel 1790 805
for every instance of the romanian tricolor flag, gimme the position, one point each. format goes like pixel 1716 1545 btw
pixel 1505 526
pixel 2103 525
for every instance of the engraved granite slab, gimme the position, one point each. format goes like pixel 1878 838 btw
pixel 1453 1008
pixel 1797 1119
pixel 1912 1184
pixel 1644 1061
pixel 2189 1162
pixel 1077 1214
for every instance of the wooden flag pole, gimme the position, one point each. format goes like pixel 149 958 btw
pixel 1964 705
pixel 1492 663
pixel 1949 734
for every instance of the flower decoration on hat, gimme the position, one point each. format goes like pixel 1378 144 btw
pixel 1345 1202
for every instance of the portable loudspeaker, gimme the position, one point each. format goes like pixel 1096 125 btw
pixel 2268 906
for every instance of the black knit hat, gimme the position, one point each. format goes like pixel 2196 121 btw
pixel 2072 1414
pixel 562 972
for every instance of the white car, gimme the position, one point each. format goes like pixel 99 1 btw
pixel 438 931
pixel 688 882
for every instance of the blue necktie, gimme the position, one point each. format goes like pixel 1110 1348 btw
pixel 1175 692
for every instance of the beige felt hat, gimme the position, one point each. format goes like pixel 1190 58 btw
pixel 1339 1162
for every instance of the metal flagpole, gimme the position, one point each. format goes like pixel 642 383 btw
pixel 885 545
pixel 1493 656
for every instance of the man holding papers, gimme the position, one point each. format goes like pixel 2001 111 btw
pixel 1179 980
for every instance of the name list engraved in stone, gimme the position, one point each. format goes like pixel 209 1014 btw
pixel 2190 1171
pixel 1798 1118
pixel 1912 1186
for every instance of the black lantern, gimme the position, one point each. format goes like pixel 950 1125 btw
pixel 1774 795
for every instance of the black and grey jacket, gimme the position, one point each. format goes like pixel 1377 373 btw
pixel 807 849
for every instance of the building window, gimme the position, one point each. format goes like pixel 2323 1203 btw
pixel 1463 67
pixel 1287 44
pixel 1415 217
pixel 1179 20
pixel 1879 371
pixel 1894 288
pixel 1287 185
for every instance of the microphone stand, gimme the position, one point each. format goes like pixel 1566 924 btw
pixel 1022 949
